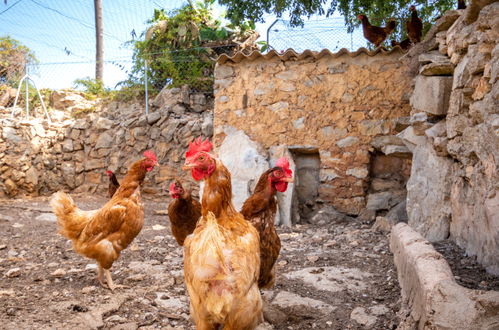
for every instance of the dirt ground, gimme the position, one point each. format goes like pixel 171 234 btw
pixel 339 276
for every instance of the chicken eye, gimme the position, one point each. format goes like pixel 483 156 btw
pixel 278 174
pixel 201 158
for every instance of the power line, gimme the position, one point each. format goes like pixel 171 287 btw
pixel 73 19
pixel 10 7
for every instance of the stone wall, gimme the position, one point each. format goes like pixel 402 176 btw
pixel 38 158
pixel 332 104
pixel 453 190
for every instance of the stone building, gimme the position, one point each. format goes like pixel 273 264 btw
pixel 330 112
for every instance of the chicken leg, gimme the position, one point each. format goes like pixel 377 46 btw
pixel 99 277
pixel 110 282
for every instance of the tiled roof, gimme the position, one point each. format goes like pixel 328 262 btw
pixel 292 54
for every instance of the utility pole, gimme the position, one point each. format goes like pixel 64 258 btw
pixel 99 41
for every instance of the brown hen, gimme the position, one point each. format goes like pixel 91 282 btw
pixel 260 209
pixel 376 34
pixel 222 256
pixel 414 26
pixel 184 212
pixel 102 234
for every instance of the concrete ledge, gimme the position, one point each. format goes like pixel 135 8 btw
pixel 433 299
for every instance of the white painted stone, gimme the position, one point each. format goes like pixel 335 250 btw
pixel 245 162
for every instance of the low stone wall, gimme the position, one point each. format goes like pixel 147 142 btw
pixel 38 158
pixel 334 105
pixel 430 295
pixel 454 135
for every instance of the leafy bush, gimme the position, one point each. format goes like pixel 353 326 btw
pixel 92 87
pixel 181 47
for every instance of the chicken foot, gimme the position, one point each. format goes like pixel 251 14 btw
pixel 110 284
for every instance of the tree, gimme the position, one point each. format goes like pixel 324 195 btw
pixel 13 59
pixel 378 11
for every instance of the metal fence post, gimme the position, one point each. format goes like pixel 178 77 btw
pixel 27 92
pixel 146 87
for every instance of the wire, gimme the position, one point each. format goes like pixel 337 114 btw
pixel 10 7
pixel 73 19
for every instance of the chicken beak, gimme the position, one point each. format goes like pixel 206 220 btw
pixel 187 167
pixel 288 179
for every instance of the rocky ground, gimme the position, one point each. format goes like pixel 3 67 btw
pixel 336 276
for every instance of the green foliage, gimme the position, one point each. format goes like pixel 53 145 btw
pixel 181 47
pixel 378 11
pixel 13 58
pixel 91 87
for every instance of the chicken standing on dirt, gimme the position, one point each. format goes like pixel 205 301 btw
pixel 102 234
pixel 414 26
pixel 260 209
pixel 376 34
pixel 113 184
pixel 222 256
pixel 184 212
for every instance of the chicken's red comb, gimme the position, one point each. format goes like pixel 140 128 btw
pixel 172 186
pixel 198 145
pixel 108 172
pixel 151 155
pixel 284 163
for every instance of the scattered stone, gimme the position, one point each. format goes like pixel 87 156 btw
pixel 3 246
pixel 313 258
pixel 360 316
pixel 17 225
pixel 330 278
pixel 88 289
pixel 90 267
pixel 58 273
pixel 285 299
pixel 49 217
pixel 13 272
pixel 158 227
pixel 382 224
pixel 282 263
pixel 8 292
pixel 6 218
pixel 115 318
pixel 161 212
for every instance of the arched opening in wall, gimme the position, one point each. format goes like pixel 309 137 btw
pixel 306 187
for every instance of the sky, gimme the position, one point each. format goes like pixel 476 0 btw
pixel 62 35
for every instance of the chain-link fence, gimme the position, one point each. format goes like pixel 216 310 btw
pixel 316 35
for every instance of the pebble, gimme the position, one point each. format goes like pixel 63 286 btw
pixel 354 243
pixel 282 263
pixel 3 246
pixel 13 272
pixel 58 272
pixel 312 258
pixel 88 289
pixel 137 277
pixel 9 292
pixel 90 266
pixel 53 264
pixel 18 225
pixel 115 318
pixel 158 227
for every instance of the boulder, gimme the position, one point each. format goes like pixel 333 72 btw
pixel 431 94
pixel 428 192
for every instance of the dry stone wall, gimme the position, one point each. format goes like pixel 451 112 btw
pixel 332 104
pixel 453 190
pixel 38 158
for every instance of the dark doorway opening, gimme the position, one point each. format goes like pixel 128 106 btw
pixel 306 187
